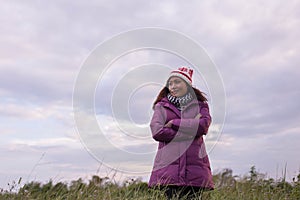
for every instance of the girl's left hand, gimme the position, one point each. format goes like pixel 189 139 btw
pixel 169 124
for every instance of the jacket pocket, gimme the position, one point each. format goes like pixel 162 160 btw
pixel 202 153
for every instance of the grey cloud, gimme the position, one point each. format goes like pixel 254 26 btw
pixel 265 104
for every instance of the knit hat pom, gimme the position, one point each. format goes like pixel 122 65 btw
pixel 183 72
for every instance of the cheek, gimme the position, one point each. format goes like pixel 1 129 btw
pixel 185 90
pixel 183 87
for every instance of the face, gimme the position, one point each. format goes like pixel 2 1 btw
pixel 177 86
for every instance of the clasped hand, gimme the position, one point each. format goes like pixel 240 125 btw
pixel 169 124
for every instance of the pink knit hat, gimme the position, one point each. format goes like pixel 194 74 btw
pixel 183 72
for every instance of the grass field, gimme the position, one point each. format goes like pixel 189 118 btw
pixel 252 186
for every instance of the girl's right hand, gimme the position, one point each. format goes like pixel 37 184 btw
pixel 198 116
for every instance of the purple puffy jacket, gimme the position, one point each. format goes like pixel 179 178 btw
pixel 181 157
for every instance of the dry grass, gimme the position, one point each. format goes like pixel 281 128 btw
pixel 253 186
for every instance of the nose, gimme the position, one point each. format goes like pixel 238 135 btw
pixel 172 86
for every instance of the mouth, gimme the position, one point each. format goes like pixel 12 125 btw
pixel 174 91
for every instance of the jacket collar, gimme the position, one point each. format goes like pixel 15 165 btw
pixel 166 103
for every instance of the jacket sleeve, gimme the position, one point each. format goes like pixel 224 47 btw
pixel 200 126
pixel 161 133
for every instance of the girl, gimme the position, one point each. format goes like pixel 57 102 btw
pixel 180 119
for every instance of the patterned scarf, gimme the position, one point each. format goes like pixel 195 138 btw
pixel 179 102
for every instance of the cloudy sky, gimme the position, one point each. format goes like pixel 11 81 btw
pixel 45 45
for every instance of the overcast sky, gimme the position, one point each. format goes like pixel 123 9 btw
pixel 44 44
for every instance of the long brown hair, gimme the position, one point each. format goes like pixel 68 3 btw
pixel 196 93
